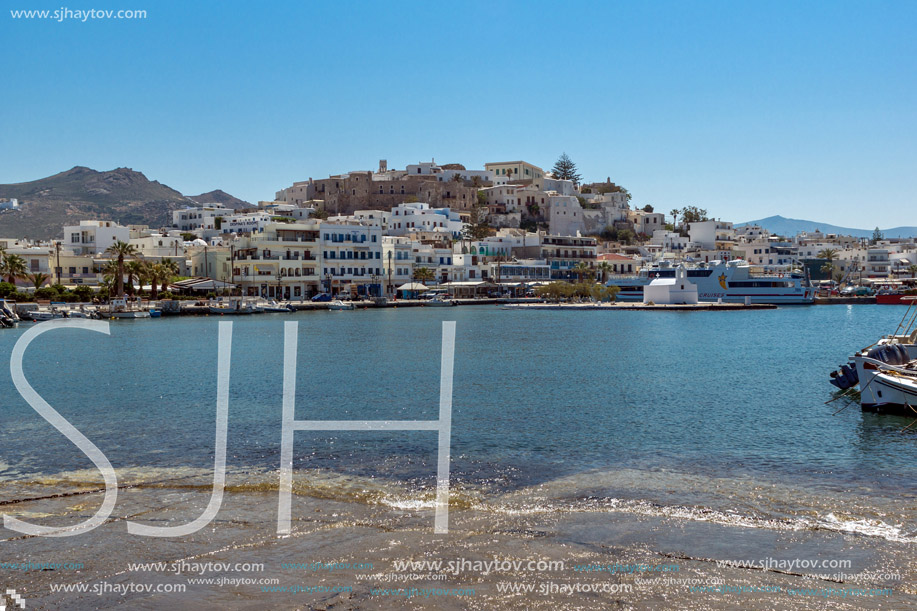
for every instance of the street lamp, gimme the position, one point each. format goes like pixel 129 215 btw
pixel 390 287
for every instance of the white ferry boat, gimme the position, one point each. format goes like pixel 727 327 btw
pixel 731 282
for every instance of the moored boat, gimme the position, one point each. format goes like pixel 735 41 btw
pixel 337 304
pixel 896 298
pixel 120 308
pixel 886 372
pixel 727 281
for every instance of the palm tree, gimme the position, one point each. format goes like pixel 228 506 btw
pixel 674 214
pixel 582 271
pixel 424 274
pixel 121 250
pixel 13 267
pixel 134 269
pixel 912 270
pixel 169 270
pixel 605 268
pixel 829 255
pixel 38 279
pixel 154 272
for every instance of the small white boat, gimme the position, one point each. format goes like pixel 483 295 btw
pixel 273 306
pixel 886 372
pixel 43 315
pixel 337 304
pixel 439 302
pixel 120 308
pixel 235 306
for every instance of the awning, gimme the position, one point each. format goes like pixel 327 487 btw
pixel 412 286
pixel 200 284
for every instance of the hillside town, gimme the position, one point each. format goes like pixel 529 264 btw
pixel 503 229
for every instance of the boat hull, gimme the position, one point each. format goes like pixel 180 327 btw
pixel 130 315
pixel 890 394
pixel 230 311
pixel 896 299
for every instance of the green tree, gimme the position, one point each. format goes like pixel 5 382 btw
pixel 565 169
pixel 605 268
pixel 424 274
pixel 135 269
pixel 877 235
pixel 169 269
pixel 13 267
pixel 582 270
pixel 626 236
pixel 829 255
pixel 83 292
pixel 675 212
pixel 38 279
pixel 647 208
pixel 693 214
pixel 120 251
pixel 478 228
pixel 912 270
pixel 154 272
pixel 555 291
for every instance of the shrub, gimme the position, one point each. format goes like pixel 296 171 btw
pixel 46 292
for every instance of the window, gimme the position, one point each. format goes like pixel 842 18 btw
pixel 73 270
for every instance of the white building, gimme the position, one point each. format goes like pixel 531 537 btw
pixel 413 217
pixel 398 262
pixel 351 258
pixel 677 290
pixel 249 222
pixel 282 262
pixel 203 217
pixel 94 237
pixel 10 204
pixel 706 235
pixel 565 216
pixel 158 246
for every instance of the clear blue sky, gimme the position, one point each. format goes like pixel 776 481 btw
pixel 746 109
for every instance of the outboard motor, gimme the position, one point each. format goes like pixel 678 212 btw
pixel 845 377
pixel 893 354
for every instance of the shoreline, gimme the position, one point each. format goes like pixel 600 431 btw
pixel 554 558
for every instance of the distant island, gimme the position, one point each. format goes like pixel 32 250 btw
pixel 789 227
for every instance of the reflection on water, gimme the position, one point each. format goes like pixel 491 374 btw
pixel 717 415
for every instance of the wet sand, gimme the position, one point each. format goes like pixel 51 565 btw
pixel 349 520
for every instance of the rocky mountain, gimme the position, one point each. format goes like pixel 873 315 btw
pixel 789 227
pixel 122 195
pixel 221 197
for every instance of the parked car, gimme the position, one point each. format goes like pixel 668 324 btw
pixel 321 297
pixel 859 291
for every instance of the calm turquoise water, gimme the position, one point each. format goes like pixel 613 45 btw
pixel 539 395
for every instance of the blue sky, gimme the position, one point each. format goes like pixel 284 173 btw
pixel 746 109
